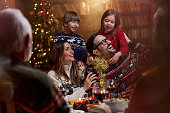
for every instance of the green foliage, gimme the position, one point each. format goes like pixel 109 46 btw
pixel 44 28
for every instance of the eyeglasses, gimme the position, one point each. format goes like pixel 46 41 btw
pixel 103 42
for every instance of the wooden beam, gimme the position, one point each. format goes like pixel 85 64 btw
pixel 64 1
pixel 141 1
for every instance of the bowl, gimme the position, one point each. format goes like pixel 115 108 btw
pixel 118 106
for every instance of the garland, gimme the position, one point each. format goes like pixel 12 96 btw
pixel 100 65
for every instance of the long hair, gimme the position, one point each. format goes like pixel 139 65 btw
pixel 117 21
pixel 56 52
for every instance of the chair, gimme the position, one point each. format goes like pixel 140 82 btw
pixel 6 98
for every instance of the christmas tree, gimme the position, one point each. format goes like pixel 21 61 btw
pixel 44 28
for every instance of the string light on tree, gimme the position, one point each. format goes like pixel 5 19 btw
pixel 44 28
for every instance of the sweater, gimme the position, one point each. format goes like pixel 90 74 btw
pixel 77 43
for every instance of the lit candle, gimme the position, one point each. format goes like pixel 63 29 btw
pixel 80 101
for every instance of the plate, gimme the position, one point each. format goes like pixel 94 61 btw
pixel 90 107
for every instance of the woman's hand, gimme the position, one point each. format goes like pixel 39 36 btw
pixel 80 63
pixel 90 79
pixel 115 58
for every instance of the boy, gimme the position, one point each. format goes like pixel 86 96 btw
pixel 71 22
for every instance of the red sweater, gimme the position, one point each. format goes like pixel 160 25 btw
pixel 118 42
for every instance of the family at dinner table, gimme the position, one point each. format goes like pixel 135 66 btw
pixel 73 74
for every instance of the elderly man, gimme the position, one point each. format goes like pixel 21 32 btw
pixel 152 92
pixel 33 92
pixel 123 71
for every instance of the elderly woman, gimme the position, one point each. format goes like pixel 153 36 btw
pixel 66 74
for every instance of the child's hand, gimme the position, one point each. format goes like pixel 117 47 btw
pixel 80 63
pixel 115 58
pixel 90 58
pixel 127 38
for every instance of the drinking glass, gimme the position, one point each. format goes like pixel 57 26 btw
pixel 111 85
pixel 99 91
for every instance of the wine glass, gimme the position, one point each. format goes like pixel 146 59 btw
pixel 111 87
pixel 99 91
pixel 62 90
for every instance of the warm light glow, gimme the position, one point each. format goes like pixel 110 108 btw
pixel 42 30
pixel 85 8
pixel 44 54
pixel 5 3
pixel 80 101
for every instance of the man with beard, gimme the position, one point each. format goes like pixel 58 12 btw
pixel 124 71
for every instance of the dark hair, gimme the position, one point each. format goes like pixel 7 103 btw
pixel 71 16
pixel 162 27
pixel 56 52
pixel 90 45
pixel 117 20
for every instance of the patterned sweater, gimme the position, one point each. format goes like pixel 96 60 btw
pixel 77 43
pixel 124 72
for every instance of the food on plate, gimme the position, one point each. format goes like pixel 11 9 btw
pixel 83 106
pixel 71 102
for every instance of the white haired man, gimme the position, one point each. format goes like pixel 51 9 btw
pixel 33 92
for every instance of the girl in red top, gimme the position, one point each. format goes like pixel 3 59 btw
pixel 110 23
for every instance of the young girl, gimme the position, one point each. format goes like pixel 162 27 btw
pixel 110 23
pixel 71 22
pixel 66 74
